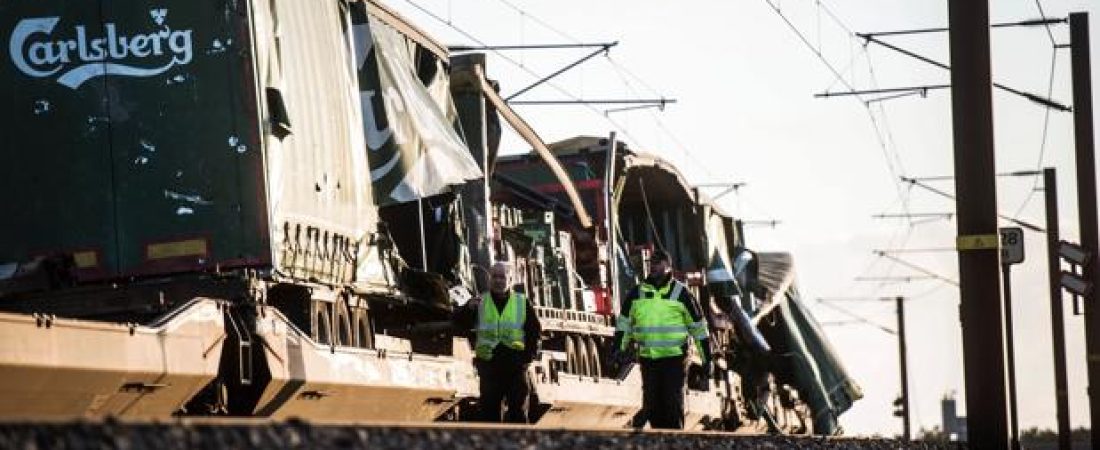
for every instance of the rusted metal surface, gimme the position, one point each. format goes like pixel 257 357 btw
pixel 63 368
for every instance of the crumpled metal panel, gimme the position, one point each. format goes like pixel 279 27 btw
pixel 68 369
pixel 321 206
pixel 822 378
pixel 776 274
pixel 414 150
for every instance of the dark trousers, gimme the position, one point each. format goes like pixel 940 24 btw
pixel 503 381
pixel 663 392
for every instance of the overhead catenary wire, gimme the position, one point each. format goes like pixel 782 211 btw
pixel 900 233
pixel 919 268
pixel 1046 128
pixel 626 133
pixel 1045 102
pixel 891 156
pixel 857 317
pixel 526 15
pixel 1019 23
pixel 690 156
pixel 621 70
pixel 869 37
pixel 649 216
pixel 1043 16
pixel 918 250
pixel 881 129
pixel 941 193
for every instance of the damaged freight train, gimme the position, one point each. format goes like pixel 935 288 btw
pixel 267 208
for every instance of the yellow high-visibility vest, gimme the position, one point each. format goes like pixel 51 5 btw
pixel 500 327
pixel 660 322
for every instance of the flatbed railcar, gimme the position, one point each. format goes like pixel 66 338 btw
pixel 271 208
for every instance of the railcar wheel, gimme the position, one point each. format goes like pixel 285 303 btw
pixel 341 326
pixel 583 366
pixel 322 323
pixel 364 336
pixel 594 357
pixel 570 355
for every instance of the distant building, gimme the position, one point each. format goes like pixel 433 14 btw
pixel 953 425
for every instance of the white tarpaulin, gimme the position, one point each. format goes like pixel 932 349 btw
pixel 414 150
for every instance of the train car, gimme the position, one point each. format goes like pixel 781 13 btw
pixel 779 372
pixel 270 208
pixel 198 172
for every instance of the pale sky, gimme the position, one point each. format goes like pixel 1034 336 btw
pixel 744 84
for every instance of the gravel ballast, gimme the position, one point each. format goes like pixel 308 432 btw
pixel 301 435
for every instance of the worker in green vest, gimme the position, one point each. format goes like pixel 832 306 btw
pixel 506 341
pixel 663 318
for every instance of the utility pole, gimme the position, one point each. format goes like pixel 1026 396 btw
pixel 1012 252
pixel 1010 350
pixel 905 434
pixel 978 240
pixel 901 404
pixel 1057 325
pixel 1086 202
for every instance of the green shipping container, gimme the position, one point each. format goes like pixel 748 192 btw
pixel 150 137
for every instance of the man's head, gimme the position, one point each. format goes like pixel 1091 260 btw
pixel 659 263
pixel 500 279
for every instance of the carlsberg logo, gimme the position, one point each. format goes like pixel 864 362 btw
pixel 78 56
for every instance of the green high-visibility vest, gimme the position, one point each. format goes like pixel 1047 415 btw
pixel 660 323
pixel 500 327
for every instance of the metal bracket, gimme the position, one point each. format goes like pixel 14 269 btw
pixel 244 347
pixel 604 48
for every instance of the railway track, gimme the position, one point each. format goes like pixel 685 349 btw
pixel 258 433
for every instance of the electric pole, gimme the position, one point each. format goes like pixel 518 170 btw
pixel 978 240
pixel 1057 324
pixel 1086 202
pixel 902 356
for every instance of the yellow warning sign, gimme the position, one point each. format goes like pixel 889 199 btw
pixel 191 247
pixel 85 259
pixel 978 242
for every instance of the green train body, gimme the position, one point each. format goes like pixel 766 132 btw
pixel 271 207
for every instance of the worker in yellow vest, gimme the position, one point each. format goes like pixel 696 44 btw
pixel 507 335
pixel 662 316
